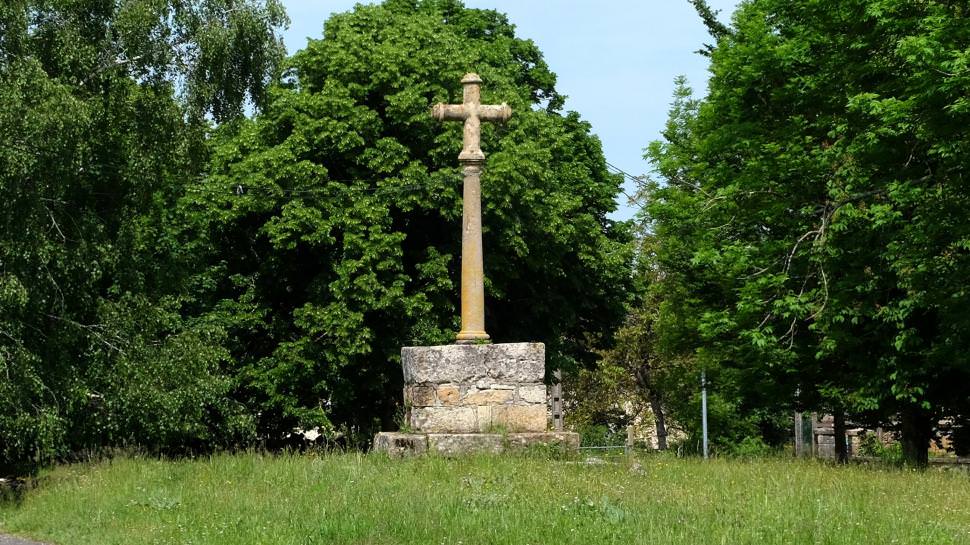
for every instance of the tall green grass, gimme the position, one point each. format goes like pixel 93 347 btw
pixel 367 499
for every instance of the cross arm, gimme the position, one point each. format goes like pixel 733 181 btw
pixel 449 112
pixel 495 113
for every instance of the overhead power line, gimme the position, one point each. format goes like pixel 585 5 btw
pixel 635 179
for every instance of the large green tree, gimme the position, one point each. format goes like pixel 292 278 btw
pixel 814 218
pixel 332 220
pixel 104 107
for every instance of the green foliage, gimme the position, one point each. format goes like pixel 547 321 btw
pixel 174 277
pixel 330 222
pixel 604 397
pixel 872 447
pixel 161 386
pixel 814 218
pixel 601 435
pixel 752 447
pixel 102 109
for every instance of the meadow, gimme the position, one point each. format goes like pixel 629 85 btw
pixel 258 499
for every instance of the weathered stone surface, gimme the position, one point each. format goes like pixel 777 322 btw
pixel 472 113
pixel 450 444
pixel 444 419
pixel 516 362
pixel 487 397
pixel 454 444
pixel 487 383
pixel 419 396
pixel 401 444
pixel 11 540
pixel 441 364
pixel 449 394
pixel 456 363
pixel 567 440
pixel 475 388
pixel 484 415
pixel 519 418
pixel 533 393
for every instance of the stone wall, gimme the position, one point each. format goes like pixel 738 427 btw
pixel 475 388
pixel 824 437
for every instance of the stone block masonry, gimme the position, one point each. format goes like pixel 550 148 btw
pixel 475 388
pixel 466 398
pixel 513 363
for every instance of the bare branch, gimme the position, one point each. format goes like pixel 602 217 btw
pixel 92 329
pixel 56 226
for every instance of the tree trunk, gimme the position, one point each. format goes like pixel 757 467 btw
pixel 838 429
pixel 659 420
pixel 916 431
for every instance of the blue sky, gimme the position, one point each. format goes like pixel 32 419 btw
pixel 615 59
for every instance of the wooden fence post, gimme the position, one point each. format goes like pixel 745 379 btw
pixel 557 415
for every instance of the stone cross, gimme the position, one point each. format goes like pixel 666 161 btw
pixel 472 112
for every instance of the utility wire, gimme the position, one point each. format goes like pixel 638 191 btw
pixel 635 179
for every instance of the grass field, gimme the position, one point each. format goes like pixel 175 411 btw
pixel 254 499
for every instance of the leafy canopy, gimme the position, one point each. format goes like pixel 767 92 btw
pixel 332 220
pixel 814 220
pixel 104 107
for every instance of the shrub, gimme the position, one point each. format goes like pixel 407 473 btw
pixel 871 447
pixel 752 447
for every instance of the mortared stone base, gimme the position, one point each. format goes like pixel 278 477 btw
pixel 475 389
pixel 399 445
pixel 458 397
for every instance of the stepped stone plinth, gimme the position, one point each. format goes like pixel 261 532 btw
pixel 473 398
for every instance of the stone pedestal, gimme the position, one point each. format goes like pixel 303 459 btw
pixel 473 398
pixel 453 444
pixel 475 388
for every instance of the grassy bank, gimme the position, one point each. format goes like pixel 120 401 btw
pixel 255 499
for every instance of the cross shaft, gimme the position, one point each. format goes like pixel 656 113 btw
pixel 472 112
